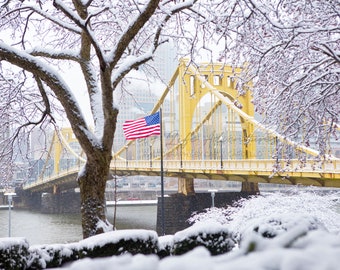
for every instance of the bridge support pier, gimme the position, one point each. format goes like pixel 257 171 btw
pixel 250 187
pixel 65 202
pixel 49 203
pixel 186 186
pixel 178 208
pixel 27 200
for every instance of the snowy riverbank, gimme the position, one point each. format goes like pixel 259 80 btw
pixel 295 230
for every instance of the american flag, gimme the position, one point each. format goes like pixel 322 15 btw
pixel 142 127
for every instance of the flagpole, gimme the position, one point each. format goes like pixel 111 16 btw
pixel 162 172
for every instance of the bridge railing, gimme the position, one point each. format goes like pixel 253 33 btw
pixel 245 165
pixel 265 167
pixel 60 174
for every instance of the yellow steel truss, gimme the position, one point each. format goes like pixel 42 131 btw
pixel 196 82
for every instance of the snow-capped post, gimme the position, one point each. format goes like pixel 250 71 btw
pixel 10 200
pixel 212 192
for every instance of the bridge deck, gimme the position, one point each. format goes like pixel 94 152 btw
pixel 259 171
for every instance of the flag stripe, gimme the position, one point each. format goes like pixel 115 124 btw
pixel 143 127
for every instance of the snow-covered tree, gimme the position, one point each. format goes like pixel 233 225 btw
pixel 292 49
pixel 104 40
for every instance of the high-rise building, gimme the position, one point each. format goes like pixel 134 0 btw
pixel 139 97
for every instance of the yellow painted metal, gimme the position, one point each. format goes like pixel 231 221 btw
pixel 155 109
pixel 57 152
pixel 195 83
pixel 62 139
pixel 246 118
pixel 252 170
pixel 219 81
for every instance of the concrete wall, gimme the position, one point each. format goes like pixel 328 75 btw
pixel 27 200
pixel 68 202
pixel 178 208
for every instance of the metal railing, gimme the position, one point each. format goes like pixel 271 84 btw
pixel 264 167
pixel 253 165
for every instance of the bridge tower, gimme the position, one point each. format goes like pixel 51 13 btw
pixel 56 150
pixel 195 84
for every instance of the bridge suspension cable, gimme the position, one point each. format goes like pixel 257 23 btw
pixel 251 119
pixel 223 135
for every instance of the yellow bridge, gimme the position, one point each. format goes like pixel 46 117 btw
pixel 209 132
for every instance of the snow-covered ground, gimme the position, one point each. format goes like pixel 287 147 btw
pixel 295 230
pixel 305 222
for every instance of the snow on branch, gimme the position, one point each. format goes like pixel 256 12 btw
pixel 51 78
pixel 178 7
pixel 133 61
pixel 131 31
pixel 61 55
pixel 130 63
pixel 84 25
pixel 49 17
pixel 328 51
pixel 69 13
pixel 96 13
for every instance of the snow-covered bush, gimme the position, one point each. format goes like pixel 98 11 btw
pixel 48 256
pixel 311 204
pixel 213 236
pixel 13 253
pixel 165 246
pixel 276 225
pixel 279 231
pixel 102 245
pixel 119 242
pixel 215 214
pixel 285 216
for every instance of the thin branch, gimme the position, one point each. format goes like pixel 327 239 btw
pixel 132 31
pixel 60 55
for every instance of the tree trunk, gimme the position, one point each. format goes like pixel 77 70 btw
pixel 92 183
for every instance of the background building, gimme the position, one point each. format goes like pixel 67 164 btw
pixel 138 98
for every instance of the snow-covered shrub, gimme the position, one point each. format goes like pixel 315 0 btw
pixel 215 214
pixel 213 236
pixel 48 256
pixel 293 203
pixel 278 231
pixel 165 245
pixel 319 238
pixel 103 245
pixel 279 218
pixel 119 242
pixel 276 225
pixel 13 253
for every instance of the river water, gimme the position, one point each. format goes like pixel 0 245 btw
pixel 40 228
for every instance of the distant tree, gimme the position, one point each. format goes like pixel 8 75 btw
pixel 105 40
pixel 292 49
